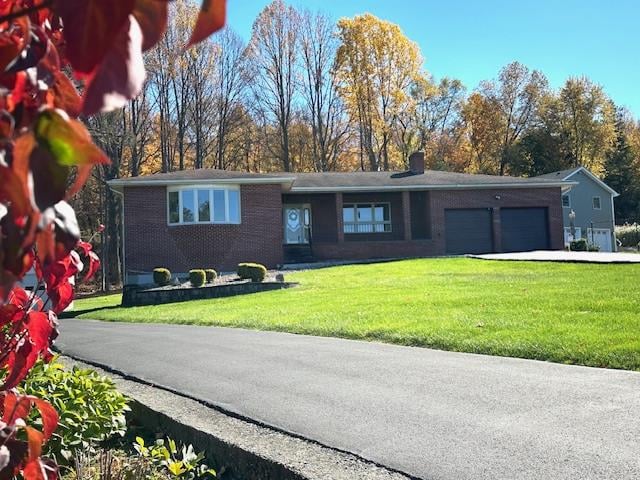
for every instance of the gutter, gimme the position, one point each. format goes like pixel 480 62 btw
pixel 118 184
pixel 457 186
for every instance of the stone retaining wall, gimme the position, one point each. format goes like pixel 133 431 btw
pixel 135 296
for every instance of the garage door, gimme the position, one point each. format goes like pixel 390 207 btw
pixel 468 230
pixel 524 229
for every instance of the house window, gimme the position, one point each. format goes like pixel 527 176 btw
pixel 366 218
pixel 203 205
pixel 566 201
pixel 596 203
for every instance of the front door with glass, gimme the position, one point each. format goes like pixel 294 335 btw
pixel 297 224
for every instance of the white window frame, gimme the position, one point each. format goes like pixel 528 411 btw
pixel 225 187
pixel 562 200
pixel 373 223
pixel 599 203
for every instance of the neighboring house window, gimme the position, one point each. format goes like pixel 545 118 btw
pixel 203 205
pixel 366 218
pixel 566 201
pixel 596 203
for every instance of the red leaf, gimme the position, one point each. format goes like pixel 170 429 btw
pixel 91 28
pixel 19 362
pixel 66 96
pixel 12 41
pixel 39 328
pixel 94 265
pixel 15 407
pixel 152 17
pixel 120 76
pixel 34 470
pixel 210 19
pixel 35 440
pixel 49 417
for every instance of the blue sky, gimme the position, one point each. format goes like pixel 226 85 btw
pixel 472 39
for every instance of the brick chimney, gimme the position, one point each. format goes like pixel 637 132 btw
pixel 416 162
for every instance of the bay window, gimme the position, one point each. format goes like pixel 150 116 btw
pixel 215 204
pixel 366 218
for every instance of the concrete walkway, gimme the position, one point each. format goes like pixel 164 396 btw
pixel 564 256
pixel 429 413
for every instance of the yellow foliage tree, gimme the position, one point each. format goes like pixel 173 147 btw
pixel 376 64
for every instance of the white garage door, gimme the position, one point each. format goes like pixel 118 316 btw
pixel 601 237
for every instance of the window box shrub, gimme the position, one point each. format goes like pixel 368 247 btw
pixel 161 276
pixel 197 277
pixel 211 274
pixel 252 271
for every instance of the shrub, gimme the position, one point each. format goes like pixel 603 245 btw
pixel 211 274
pixel 90 408
pixel 197 277
pixel 579 245
pixel 628 235
pixel 253 271
pixel 161 276
pixel 181 463
pixel 592 247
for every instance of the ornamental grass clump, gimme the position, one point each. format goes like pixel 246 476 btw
pixel 252 271
pixel 211 274
pixel 197 277
pixel 161 276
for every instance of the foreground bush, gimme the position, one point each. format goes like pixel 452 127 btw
pixel 91 409
pixel 197 277
pixel 628 235
pixel 161 276
pixel 211 274
pixel 182 463
pixel 252 271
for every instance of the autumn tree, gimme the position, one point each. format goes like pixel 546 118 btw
pixel 516 93
pixel 483 122
pixel 324 108
pixel 273 54
pixel 376 65
pixel 229 114
pixel 587 118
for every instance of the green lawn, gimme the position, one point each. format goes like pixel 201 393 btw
pixel 572 313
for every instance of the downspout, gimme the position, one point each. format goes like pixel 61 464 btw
pixel 124 253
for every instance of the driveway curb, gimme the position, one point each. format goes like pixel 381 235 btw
pixel 237 447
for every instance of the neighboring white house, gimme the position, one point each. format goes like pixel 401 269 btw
pixel 590 203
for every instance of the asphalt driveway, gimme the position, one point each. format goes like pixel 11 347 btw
pixel 432 414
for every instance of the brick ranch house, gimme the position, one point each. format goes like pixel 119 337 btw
pixel 215 219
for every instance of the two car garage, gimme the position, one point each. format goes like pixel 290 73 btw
pixel 471 230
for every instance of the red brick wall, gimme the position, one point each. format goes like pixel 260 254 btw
pixel 439 200
pixel 151 243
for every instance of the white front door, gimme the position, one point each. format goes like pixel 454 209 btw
pixel 600 237
pixel 297 224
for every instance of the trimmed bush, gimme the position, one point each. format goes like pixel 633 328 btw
pixel 161 276
pixel 252 271
pixel 592 247
pixel 197 277
pixel 211 274
pixel 628 235
pixel 579 245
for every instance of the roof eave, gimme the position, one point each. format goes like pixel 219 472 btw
pixel 594 178
pixel 364 188
pixel 118 184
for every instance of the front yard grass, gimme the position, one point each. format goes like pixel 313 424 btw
pixel 562 312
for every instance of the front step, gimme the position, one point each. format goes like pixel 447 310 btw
pixel 298 254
